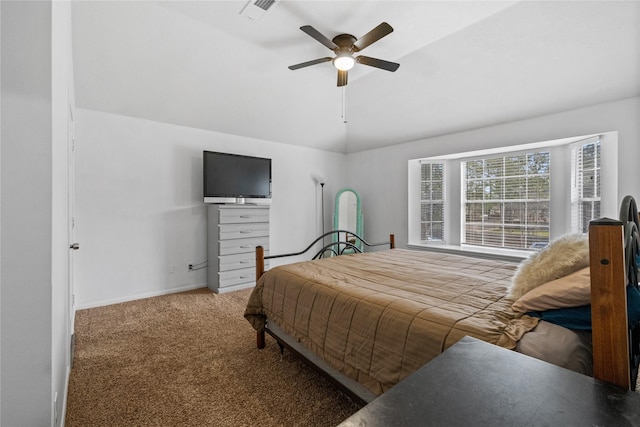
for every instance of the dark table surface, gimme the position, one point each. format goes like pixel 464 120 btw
pixel 474 383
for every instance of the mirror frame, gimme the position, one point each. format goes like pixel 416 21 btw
pixel 359 218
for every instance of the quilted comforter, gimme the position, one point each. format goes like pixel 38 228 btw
pixel 379 316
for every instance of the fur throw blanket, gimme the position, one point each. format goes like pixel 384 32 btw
pixel 561 257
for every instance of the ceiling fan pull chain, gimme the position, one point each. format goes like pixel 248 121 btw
pixel 344 104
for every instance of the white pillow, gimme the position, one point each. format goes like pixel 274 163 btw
pixel 563 256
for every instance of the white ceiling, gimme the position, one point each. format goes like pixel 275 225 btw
pixel 464 65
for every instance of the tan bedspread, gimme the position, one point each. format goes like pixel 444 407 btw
pixel 379 316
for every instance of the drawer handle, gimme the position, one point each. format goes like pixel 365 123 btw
pixel 245 231
pixel 246 216
pixel 245 277
pixel 245 262
pixel 246 246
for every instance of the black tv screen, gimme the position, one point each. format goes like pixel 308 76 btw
pixel 235 178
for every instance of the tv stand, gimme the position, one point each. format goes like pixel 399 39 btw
pixel 233 232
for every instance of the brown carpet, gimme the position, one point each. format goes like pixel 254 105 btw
pixel 189 359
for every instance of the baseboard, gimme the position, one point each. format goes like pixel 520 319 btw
pixel 141 296
pixel 234 288
pixel 72 349
pixel 64 400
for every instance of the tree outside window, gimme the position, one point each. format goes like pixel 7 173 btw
pixel 506 200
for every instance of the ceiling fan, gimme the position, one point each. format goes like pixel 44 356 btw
pixel 344 46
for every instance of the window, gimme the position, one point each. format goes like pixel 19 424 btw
pixel 506 200
pixel 432 202
pixel 585 185
pixel 512 199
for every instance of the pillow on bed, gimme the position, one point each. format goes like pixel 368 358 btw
pixel 580 317
pixel 561 257
pixel 572 290
pixel 633 306
pixel 577 318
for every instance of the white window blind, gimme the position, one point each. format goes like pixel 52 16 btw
pixel 506 200
pixel 585 184
pixel 432 193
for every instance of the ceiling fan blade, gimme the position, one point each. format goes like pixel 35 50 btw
pixel 309 63
pixel 373 36
pixel 342 78
pixel 378 63
pixel 318 36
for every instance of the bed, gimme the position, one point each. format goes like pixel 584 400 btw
pixel 368 320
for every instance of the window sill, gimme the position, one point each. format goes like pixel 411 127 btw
pixel 488 253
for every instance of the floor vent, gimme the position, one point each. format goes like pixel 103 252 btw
pixel 256 9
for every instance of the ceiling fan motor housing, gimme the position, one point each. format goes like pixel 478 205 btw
pixel 345 41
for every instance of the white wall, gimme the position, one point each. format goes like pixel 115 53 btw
pixel 33 212
pixel 380 176
pixel 0 217
pixel 62 103
pixel 26 214
pixel 139 213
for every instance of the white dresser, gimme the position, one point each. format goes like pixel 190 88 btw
pixel 233 233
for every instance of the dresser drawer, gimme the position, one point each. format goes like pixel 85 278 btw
pixel 238 246
pixel 242 231
pixel 235 277
pixel 239 261
pixel 242 215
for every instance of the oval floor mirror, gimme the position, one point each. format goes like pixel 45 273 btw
pixel 348 216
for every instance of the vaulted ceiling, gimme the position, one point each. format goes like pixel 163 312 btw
pixel 464 65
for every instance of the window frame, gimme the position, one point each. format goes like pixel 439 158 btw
pixel 560 209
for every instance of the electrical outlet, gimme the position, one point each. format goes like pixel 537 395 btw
pixel 190 266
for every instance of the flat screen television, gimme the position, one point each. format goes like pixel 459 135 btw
pixel 233 178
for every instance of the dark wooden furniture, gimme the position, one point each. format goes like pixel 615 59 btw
pixel 480 384
pixel 609 303
pixel 613 250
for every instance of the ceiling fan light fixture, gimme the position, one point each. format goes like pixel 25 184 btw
pixel 344 62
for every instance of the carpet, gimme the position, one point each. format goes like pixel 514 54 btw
pixel 190 359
